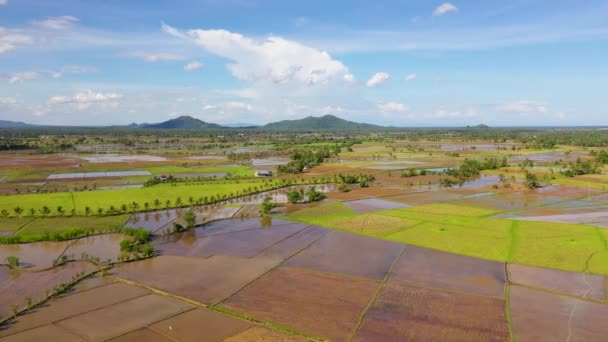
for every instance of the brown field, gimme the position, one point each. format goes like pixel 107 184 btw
pixel 440 270
pixel 73 304
pixel 425 197
pixel 340 252
pixel 16 285
pixel 143 334
pixel 542 316
pixel 320 304
pixel 261 334
pixel 48 333
pixel 207 281
pixel 189 326
pixel 577 284
pixel 403 313
pixel 109 322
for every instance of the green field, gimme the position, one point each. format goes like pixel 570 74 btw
pixel 467 231
pixel 87 224
pixel 13 223
pixel 105 199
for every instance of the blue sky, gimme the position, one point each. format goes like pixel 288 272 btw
pixel 403 63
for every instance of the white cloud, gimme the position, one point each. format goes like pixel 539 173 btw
pixel 20 77
pixel 443 113
pixel 274 59
pixel 235 105
pixel 11 39
pixel 377 79
pixel 5 101
pixel 393 107
pixel 410 77
pixel 523 107
pixel 3 2
pixel 444 8
pixel 349 77
pixel 57 23
pixel 193 66
pixel 72 69
pixel 84 99
pixel 156 57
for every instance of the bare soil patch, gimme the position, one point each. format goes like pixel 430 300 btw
pixel 349 254
pixel 207 281
pixel 403 313
pixel 320 304
pixel 440 270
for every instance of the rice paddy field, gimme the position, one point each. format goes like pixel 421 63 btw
pixel 401 258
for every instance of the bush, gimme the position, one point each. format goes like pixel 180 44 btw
pixel 190 219
pixel 178 227
pixel 313 195
pixel 141 235
pixel 294 196
pixel 12 261
pixel 267 205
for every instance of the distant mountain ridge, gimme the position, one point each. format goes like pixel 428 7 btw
pixel 182 122
pixel 13 124
pixel 326 122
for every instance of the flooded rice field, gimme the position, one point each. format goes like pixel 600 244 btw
pixel 121 158
pixel 99 174
pixel 316 281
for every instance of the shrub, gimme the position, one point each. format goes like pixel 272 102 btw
pixel 294 196
pixel 12 261
pixel 190 219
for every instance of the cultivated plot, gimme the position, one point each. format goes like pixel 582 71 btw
pixel 319 304
pixel 434 269
pixel 349 254
pixel 403 313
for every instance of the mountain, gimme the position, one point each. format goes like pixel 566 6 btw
pixel 13 124
pixel 182 122
pixel 480 126
pixel 326 122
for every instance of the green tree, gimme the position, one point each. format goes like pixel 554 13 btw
pixel 189 219
pixel 267 205
pixel 18 210
pixel 294 196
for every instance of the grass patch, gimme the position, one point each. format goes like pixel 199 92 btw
pixel 87 224
pixel 555 245
pixel 465 230
pixel 482 243
pixel 13 223
pixel 323 213
pixel 371 224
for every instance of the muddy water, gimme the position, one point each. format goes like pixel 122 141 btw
pixel 152 221
pixel 34 256
pixel 16 286
pixel 105 247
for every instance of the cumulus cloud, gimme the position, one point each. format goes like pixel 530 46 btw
pixel 410 77
pixel 11 39
pixel 349 77
pixel 273 59
pixel 393 107
pixel 85 99
pixel 523 107
pixel 56 23
pixel 5 101
pixel 156 57
pixel 193 66
pixel 377 79
pixel 444 8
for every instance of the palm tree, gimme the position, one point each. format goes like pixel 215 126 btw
pixel 45 210
pixel 156 203
pixel 146 206
pixel 18 210
pixel 99 211
pixel 87 211
pixel 60 210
